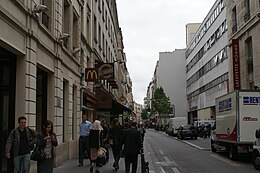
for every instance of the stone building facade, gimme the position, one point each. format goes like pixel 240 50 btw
pixel 45 47
pixel 243 19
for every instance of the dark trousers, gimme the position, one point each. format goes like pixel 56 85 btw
pixel 116 149
pixel 83 148
pixel 131 159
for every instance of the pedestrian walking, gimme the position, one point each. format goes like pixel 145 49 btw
pixel 47 141
pixel 115 137
pixel 84 149
pixel 131 141
pixel 142 130
pixel 95 141
pixel 105 138
pixel 19 144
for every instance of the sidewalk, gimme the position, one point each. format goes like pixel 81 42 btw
pixel 71 166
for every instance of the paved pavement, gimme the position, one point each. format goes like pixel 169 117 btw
pixel 71 166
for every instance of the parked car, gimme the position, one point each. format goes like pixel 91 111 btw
pixel 256 151
pixel 187 131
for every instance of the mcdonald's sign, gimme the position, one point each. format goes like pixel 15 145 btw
pixel 91 74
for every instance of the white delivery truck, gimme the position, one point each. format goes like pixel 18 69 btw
pixel 237 118
pixel 174 124
pixel 256 150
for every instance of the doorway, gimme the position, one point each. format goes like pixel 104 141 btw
pixel 7 103
pixel 41 98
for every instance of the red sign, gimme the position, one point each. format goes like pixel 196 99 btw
pixel 249 119
pixel 236 64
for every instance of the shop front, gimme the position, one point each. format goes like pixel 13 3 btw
pixel 107 107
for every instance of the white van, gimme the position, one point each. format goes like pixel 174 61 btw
pixel 174 124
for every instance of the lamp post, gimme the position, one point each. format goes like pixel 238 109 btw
pixel 173 110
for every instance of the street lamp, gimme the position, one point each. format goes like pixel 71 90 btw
pixel 173 110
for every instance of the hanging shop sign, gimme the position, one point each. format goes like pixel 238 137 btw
pixel 91 75
pixel 106 71
pixel 236 64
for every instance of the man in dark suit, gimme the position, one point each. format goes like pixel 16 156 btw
pixel 131 141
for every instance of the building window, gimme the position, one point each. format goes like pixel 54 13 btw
pixel 250 64
pixel 88 29
pixel 41 98
pixel 65 109
pixel 99 6
pixel 103 43
pixel 247 10
pixel 234 20
pixel 47 15
pixel 99 36
pixel 66 22
pixel 95 29
pixel 103 11
pixel 75 36
pixel 74 112
pixel 82 20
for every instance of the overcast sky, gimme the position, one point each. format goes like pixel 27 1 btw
pixel 153 26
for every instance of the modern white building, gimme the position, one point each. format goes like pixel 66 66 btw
pixel 171 76
pixel 207 64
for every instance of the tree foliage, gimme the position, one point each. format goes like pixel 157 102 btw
pixel 161 103
pixel 144 114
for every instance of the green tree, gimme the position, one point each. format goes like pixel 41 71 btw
pixel 144 114
pixel 161 103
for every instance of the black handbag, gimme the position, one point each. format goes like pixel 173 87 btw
pixel 37 154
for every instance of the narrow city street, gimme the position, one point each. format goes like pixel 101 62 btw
pixel 168 154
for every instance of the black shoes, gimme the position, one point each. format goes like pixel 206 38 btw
pixel 91 169
pixel 80 164
pixel 115 166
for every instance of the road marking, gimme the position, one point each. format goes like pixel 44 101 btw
pixel 162 170
pixel 175 170
pixel 167 159
pixel 227 161
pixel 161 152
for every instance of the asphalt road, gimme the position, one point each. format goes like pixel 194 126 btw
pixel 169 155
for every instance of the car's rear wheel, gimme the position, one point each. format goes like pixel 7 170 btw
pixel 213 149
pixel 256 162
pixel 232 152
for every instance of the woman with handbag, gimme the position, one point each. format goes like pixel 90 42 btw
pixel 95 143
pixel 47 141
